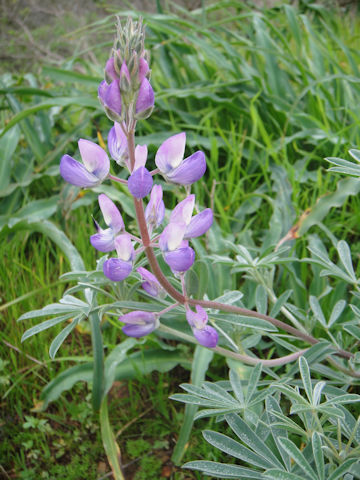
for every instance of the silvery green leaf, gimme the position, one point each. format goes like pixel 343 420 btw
pixel 247 435
pixel 253 382
pixel 306 379
pixel 52 309
pixel 246 322
pixel 70 300
pixel 223 470
pixel 44 325
pixel 287 424
pixel 336 312
pixel 290 393
pixel 342 469
pixel 341 399
pixel 345 257
pixel 355 154
pixel 353 330
pixel 237 386
pixel 185 398
pixel 331 411
pixel 344 166
pixel 317 392
pixel 272 407
pixel 318 455
pixel 276 474
pixel 297 456
pixel 59 339
pixel 217 392
pixel 230 297
pixel 317 310
pixel 235 449
pixel 210 412
pixel 355 309
pixel 280 302
pixel 261 299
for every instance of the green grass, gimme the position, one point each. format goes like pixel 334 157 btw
pixel 267 95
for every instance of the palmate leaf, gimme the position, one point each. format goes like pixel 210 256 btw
pixel 59 339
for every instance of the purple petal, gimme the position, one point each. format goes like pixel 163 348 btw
pixel 190 170
pixel 197 319
pixel 75 173
pixel 124 247
pixel 116 269
pixel 140 183
pixel 146 96
pixel 143 69
pixel 172 236
pixel 110 69
pixel 138 331
pixel 117 144
pixel 103 241
pixel 111 214
pixel 207 336
pixel 138 323
pixel 181 259
pixel 155 209
pixel 151 284
pixel 141 152
pixel 102 89
pixel 138 317
pixel 94 158
pixel 171 153
pixel 112 97
pixel 199 224
pixel 183 211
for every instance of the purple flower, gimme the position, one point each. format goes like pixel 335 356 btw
pixel 172 236
pixel 195 226
pixel 140 183
pixel 155 209
pixel 104 240
pixel 150 283
pixel 181 259
pixel 177 253
pixel 117 144
pixel 116 269
pixel 204 334
pixel 94 169
pixel 139 323
pixel 170 161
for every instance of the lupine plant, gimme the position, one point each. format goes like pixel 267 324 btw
pixel 158 264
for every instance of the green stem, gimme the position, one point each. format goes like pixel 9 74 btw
pixel 111 447
pixel 237 356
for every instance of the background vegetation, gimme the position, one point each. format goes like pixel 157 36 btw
pixel 266 93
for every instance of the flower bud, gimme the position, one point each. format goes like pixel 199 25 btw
pixel 140 183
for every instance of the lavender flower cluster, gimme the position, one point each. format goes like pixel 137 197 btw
pixel 127 96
